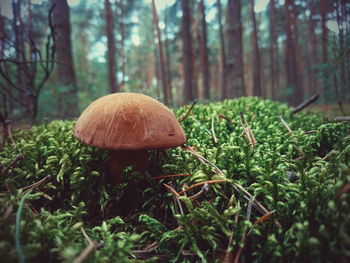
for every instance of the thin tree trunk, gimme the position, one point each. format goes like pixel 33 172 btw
pixel 274 78
pixel 168 59
pixel 187 52
pixel 65 68
pixel 205 54
pixel 223 88
pixel 111 48
pixel 326 79
pixel 256 55
pixel 235 73
pixel 162 65
pixel 121 5
pixel 293 75
pixel 313 48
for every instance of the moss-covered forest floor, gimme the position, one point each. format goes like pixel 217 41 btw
pixel 254 183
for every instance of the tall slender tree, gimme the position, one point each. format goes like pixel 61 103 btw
pixel 291 58
pixel 274 63
pixel 223 88
pixel 187 52
pixel 162 65
pixel 205 53
pixel 68 102
pixel 257 90
pixel 235 74
pixel 111 48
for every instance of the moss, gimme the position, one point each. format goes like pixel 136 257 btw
pixel 292 174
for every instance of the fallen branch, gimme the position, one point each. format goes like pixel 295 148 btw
pixel 306 103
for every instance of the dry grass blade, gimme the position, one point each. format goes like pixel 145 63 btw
pixel 213 131
pixel 85 252
pixel 248 132
pixel 16 159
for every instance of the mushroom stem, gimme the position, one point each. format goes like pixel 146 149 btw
pixel 119 160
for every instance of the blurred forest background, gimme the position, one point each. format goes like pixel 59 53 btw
pixel 57 56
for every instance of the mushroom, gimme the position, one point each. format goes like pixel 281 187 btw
pixel 128 125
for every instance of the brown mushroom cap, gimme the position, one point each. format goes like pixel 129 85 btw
pixel 129 121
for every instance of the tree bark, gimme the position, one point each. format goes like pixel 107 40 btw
pixel 65 68
pixel 234 70
pixel 111 48
pixel 223 88
pixel 274 72
pixel 162 64
pixel 256 54
pixel 313 87
pixel 293 75
pixel 205 54
pixel 326 79
pixel 167 58
pixel 187 53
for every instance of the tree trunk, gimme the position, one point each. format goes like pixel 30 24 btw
pixel 313 87
pixel 205 54
pixel 167 58
pixel 326 78
pixel 223 88
pixel 111 48
pixel 274 76
pixel 162 65
pixel 293 75
pixel 187 53
pixel 235 74
pixel 256 55
pixel 65 68
pixel 121 5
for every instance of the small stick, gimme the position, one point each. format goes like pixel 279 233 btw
pixel 188 112
pixel 306 103
pixel 248 132
pixel 202 183
pixel 286 125
pixel 213 131
pixel 85 252
pixel 170 189
pixel 169 176
pixel 9 126
pixel 38 183
pixel 86 235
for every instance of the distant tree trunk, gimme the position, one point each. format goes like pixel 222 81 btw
pixel 274 72
pixel 167 58
pixel 205 54
pixel 313 87
pixel 293 76
pixel 256 55
pixel 111 48
pixel 326 78
pixel 162 64
pixel 223 88
pixel 187 53
pixel 65 68
pixel 340 21
pixel 121 5
pixel 235 73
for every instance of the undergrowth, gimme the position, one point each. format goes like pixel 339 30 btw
pixel 297 208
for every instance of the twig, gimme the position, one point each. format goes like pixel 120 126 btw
pixel 342 118
pixel 38 183
pixel 204 189
pixel 188 112
pixel 213 131
pixel 85 252
pixel 170 176
pixel 86 235
pixel 306 103
pixel 286 125
pixel 248 132
pixel 170 189
pixel 202 183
